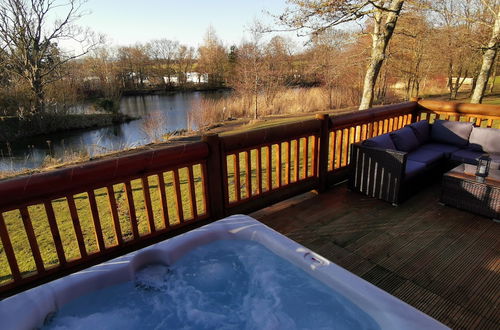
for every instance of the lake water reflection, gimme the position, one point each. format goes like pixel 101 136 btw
pixel 159 114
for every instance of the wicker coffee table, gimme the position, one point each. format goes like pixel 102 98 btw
pixel 461 189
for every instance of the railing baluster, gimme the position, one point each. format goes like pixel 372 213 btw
pixel 163 200
pixel 9 251
pixel 76 225
pixel 345 147
pixel 178 196
pixel 305 157
pixel 114 213
pixel 54 230
pixel 363 132
pixel 288 161
pixel 147 203
pixel 296 160
pixel 258 170
pixel 131 210
pixel 248 161
pixel 237 177
pixel 269 169
pixel 331 158
pixel 35 250
pixel 96 220
pixel 204 188
pixel 277 158
pixel 338 159
pixel 314 156
pixel 192 193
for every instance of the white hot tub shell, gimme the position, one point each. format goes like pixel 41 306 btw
pixel 29 309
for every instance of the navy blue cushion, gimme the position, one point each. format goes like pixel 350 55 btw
pixel 451 132
pixel 413 168
pixel 404 139
pixel 485 139
pixel 383 141
pixel 446 149
pixel 422 130
pixel 426 156
pixel 466 156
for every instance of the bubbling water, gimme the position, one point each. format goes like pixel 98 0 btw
pixel 221 285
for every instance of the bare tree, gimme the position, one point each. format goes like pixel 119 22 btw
pixel 329 61
pixel 489 51
pixel 165 53
pixel 30 37
pixel 412 52
pixel 213 59
pixel 318 15
pixel 134 64
pixel 186 60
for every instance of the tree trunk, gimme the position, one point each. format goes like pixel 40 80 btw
pixel 37 88
pixel 494 75
pixel 488 60
pixel 376 60
pixel 380 39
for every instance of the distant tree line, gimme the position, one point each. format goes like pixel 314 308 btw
pixel 403 49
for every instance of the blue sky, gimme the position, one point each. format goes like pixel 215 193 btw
pixel 127 22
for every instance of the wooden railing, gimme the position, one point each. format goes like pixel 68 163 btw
pixel 57 222
pixel 482 115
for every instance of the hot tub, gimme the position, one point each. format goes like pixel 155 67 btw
pixel 361 304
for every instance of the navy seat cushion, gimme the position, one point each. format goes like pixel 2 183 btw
pixel 404 139
pixel 466 156
pixel 451 132
pixel 413 168
pixel 422 130
pixel 446 149
pixel 485 139
pixel 383 141
pixel 426 156
pixel 470 157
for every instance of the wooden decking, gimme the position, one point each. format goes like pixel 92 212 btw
pixel 441 260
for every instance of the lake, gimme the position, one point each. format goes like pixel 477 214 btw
pixel 159 114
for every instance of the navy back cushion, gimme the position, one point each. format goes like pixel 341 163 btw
pixel 451 132
pixel 383 141
pixel 404 139
pixel 422 130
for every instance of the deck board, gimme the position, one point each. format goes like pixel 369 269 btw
pixel 441 260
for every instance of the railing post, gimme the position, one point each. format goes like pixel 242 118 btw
pixel 215 179
pixel 415 113
pixel 323 152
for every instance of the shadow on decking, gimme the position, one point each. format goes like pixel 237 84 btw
pixel 441 260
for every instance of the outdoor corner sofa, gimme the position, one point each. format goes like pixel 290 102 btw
pixel 393 166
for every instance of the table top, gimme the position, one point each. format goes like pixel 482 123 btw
pixel 467 172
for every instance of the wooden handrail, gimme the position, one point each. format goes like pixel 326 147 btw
pixel 243 140
pixel 459 108
pixel 372 115
pixel 207 180
pixel 73 179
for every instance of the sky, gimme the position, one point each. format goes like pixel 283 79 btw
pixel 126 22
